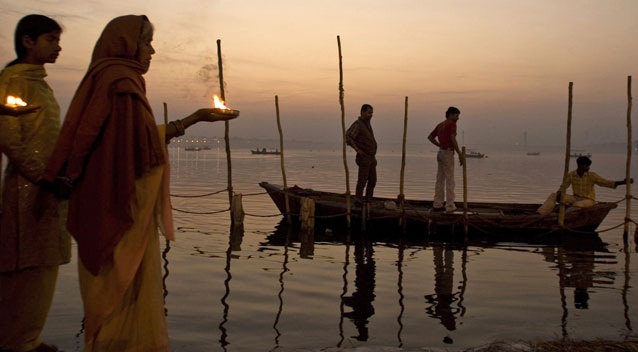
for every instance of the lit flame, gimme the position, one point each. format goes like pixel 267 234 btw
pixel 218 103
pixel 15 101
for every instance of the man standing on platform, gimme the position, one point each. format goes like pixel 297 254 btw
pixel 361 138
pixel 444 137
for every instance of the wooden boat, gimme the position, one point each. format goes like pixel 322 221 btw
pixel 474 154
pixel 263 151
pixel 533 153
pixel 579 154
pixel 192 149
pixel 419 215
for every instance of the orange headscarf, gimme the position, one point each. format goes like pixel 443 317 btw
pixel 109 139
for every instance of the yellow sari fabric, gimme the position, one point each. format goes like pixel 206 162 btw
pixel 124 303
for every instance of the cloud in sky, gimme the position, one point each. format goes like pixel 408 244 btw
pixel 505 64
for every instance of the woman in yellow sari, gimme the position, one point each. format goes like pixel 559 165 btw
pixel 113 155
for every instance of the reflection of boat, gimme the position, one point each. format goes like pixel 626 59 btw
pixel 533 153
pixel 263 151
pixel 419 214
pixel 192 149
pixel 474 154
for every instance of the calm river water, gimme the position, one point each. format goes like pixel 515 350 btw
pixel 257 292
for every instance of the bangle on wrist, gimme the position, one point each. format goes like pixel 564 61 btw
pixel 179 127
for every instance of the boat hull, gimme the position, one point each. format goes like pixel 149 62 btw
pixel 259 152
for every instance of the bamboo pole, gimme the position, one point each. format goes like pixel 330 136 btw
pixel 402 220
pixel 343 134
pixel 628 165
pixel 561 209
pixel 307 215
pixel 226 123
pixel 465 228
pixel 237 210
pixel 281 158
pixel 168 244
pixel 165 114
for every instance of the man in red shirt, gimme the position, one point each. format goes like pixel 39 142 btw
pixel 444 137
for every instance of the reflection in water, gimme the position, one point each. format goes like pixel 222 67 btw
pixel 79 337
pixel 361 299
pixel 234 241
pixel 625 288
pixel 344 290
pixel 280 294
pixel 307 244
pixel 444 297
pixel 400 290
pixel 576 265
pixel 167 249
pixel 595 285
pixel 580 268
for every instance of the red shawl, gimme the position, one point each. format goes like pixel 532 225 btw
pixel 108 140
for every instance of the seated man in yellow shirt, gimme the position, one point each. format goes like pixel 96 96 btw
pixel 582 182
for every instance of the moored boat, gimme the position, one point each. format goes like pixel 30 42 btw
pixel 579 154
pixel 474 154
pixel 263 151
pixel 420 215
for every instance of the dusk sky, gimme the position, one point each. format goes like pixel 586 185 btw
pixel 505 64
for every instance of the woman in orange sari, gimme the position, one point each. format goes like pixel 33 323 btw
pixel 113 155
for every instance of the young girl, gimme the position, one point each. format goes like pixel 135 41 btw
pixel 114 155
pixel 33 242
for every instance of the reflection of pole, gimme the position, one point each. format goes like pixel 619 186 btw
pixel 167 248
pixel 168 244
pixel 284 270
pixel 307 228
pixel 401 195
pixel 281 158
pixel 343 134
pixel 343 291
pixel 626 286
pixel 222 339
pixel 561 284
pixel 226 123
pixel 463 286
pixel 561 209
pixel 628 166
pixel 400 291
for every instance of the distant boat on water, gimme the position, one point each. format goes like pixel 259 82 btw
pixel 263 151
pixel 579 154
pixel 533 153
pixel 474 154
pixel 192 149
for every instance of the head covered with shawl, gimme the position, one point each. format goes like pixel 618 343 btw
pixel 108 140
